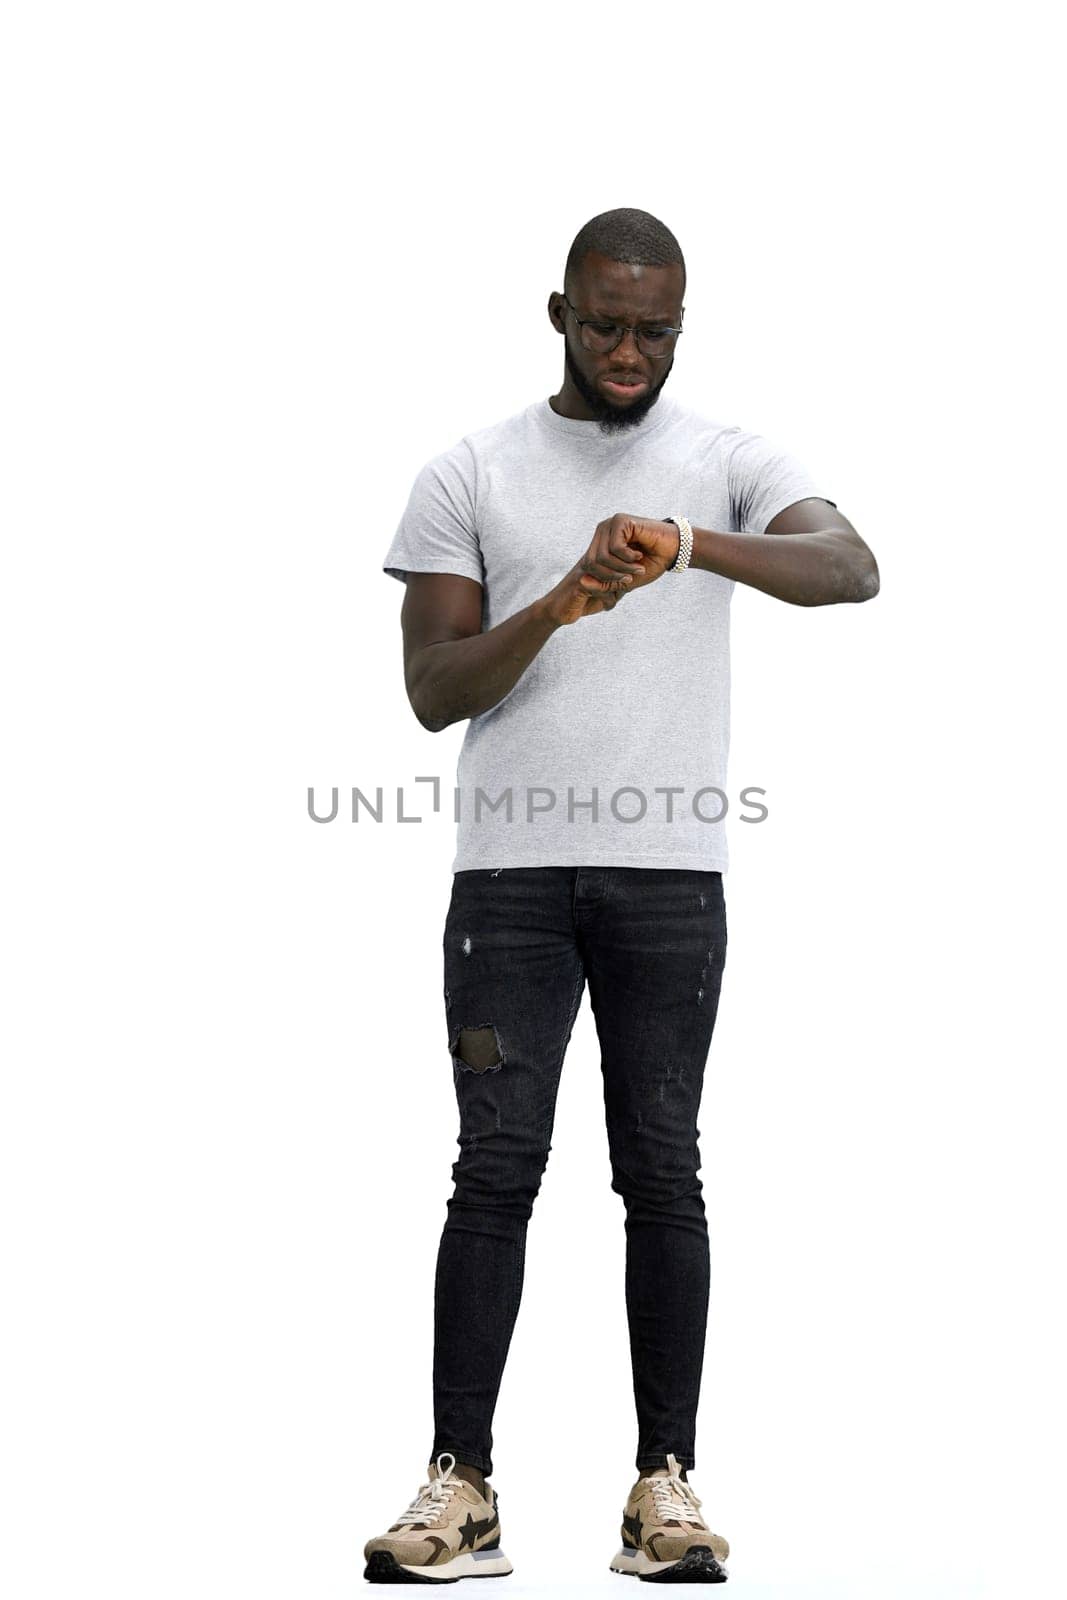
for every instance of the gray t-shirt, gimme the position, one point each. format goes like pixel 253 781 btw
pixel 572 766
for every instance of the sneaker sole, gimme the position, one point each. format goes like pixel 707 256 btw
pixel 383 1567
pixel 698 1565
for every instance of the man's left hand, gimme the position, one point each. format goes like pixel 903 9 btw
pixel 637 545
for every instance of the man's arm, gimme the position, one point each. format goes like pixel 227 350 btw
pixel 452 669
pixel 822 563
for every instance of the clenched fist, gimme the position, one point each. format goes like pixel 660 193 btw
pixel 626 553
pixel 632 546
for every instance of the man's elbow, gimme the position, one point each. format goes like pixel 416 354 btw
pixel 868 582
pixel 860 581
pixel 842 584
pixel 420 688
pixel 434 717
pixel 430 719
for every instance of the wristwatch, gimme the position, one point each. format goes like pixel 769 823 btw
pixel 685 543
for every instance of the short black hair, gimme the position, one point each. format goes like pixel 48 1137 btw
pixel 628 235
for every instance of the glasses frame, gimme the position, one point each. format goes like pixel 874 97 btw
pixel 621 328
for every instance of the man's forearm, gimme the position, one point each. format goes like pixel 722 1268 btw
pixel 460 678
pixel 806 569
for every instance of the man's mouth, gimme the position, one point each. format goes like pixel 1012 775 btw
pixel 626 388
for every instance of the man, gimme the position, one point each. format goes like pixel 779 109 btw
pixel 568 581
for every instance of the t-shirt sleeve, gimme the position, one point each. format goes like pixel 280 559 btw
pixel 763 480
pixel 437 531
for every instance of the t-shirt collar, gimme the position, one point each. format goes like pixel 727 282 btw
pixel 581 428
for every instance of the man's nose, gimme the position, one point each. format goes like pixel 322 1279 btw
pixel 627 345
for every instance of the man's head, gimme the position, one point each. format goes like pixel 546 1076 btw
pixel 624 267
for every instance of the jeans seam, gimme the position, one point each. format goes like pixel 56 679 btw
pixel 576 1001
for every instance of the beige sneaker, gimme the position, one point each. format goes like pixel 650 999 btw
pixel 449 1531
pixel 664 1537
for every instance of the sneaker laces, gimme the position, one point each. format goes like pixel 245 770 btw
pixel 433 1497
pixel 674 1498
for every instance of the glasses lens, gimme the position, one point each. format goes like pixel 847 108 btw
pixel 603 337
pixel 600 336
pixel 656 341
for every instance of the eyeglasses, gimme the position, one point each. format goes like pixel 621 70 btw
pixel 603 337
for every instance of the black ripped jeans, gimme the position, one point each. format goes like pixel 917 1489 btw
pixel 520 943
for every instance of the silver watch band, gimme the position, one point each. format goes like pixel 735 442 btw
pixel 685 543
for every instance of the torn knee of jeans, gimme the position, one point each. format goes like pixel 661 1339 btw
pixel 477 1049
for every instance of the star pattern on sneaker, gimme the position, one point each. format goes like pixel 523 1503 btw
pixel 632 1526
pixel 472 1528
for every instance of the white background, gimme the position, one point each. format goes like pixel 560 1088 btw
pixel 261 263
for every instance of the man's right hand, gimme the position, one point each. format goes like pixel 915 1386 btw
pixel 579 594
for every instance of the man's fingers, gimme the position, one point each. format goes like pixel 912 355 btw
pixel 606 585
pixel 610 561
pixel 612 575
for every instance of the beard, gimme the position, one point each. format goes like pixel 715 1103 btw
pixel 609 418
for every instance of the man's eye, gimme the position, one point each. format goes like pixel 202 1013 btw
pixel 657 333
pixel 605 328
